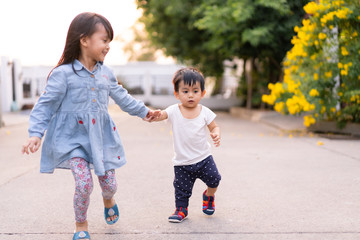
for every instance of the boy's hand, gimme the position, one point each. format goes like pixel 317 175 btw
pixel 216 139
pixel 33 144
pixel 152 115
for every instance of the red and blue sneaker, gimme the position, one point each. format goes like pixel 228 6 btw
pixel 208 204
pixel 179 215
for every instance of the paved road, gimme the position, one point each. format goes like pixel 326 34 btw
pixel 274 186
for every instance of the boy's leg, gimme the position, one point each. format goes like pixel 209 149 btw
pixel 209 174
pixel 108 186
pixel 83 188
pixel 183 184
pixel 210 191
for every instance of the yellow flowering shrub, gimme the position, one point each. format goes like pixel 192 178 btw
pixel 322 70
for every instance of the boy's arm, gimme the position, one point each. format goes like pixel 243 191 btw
pixel 215 133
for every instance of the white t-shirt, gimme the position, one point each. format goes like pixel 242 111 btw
pixel 190 135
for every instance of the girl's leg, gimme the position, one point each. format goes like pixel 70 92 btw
pixel 83 188
pixel 108 186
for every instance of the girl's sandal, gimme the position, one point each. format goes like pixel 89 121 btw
pixel 109 212
pixel 81 235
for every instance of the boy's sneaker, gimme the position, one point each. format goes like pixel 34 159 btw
pixel 179 215
pixel 208 204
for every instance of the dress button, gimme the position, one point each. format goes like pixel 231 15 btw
pixel 92 75
pixel 94 100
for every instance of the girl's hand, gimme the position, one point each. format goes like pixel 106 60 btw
pixel 33 144
pixel 152 115
pixel 216 139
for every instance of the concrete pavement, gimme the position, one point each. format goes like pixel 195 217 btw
pixel 276 185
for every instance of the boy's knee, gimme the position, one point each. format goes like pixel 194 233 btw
pixel 213 181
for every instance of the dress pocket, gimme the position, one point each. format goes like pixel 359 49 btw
pixel 103 93
pixel 78 92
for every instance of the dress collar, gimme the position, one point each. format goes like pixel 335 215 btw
pixel 79 66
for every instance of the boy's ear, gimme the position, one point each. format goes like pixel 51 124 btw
pixel 203 93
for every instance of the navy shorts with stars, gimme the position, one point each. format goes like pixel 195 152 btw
pixel 185 177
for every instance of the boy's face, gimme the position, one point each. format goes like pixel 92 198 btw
pixel 189 96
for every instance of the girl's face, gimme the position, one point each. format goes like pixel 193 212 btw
pixel 97 45
pixel 189 96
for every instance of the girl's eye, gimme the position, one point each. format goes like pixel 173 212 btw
pixel 196 91
pixel 185 92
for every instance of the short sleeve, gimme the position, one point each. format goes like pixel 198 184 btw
pixel 209 115
pixel 170 112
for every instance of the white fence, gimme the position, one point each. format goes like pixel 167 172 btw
pixel 151 82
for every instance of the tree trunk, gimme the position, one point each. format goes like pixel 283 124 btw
pixel 249 81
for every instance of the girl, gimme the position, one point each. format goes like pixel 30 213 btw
pixel 73 109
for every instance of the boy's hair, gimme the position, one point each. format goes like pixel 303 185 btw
pixel 190 76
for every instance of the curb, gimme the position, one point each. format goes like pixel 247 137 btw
pixel 274 119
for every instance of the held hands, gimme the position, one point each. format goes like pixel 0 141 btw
pixel 152 115
pixel 33 144
pixel 216 139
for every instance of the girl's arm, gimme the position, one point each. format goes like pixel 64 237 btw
pixel 126 102
pixel 44 109
pixel 215 133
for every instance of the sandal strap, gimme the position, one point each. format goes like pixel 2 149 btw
pixel 81 235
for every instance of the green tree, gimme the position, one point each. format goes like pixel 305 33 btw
pixel 256 31
pixel 209 31
pixel 170 24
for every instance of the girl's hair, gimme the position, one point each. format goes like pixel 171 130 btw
pixel 83 25
pixel 190 76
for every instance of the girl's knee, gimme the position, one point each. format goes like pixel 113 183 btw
pixel 84 189
pixel 108 184
pixel 109 191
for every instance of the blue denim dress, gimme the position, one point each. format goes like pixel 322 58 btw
pixel 74 111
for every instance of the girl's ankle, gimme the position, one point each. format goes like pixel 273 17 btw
pixel 83 226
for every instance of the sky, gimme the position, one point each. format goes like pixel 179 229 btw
pixel 34 31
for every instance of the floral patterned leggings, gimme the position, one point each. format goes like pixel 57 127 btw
pixel 84 186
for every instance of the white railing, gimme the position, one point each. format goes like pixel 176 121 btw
pixel 148 81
